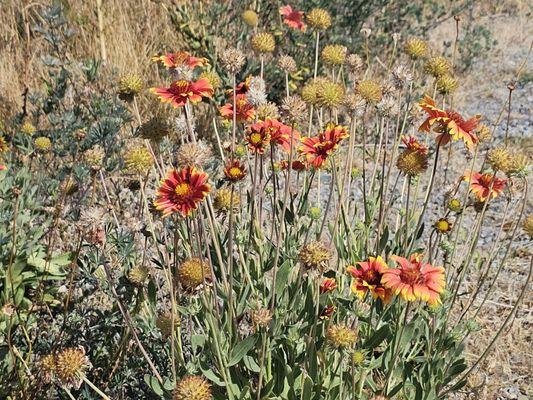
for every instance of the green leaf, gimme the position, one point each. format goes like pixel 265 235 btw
pixel 282 277
pixel 377 338
pixel 152 382
pixel 240 350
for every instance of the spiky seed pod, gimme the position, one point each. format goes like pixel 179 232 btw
pixel 43 144
pixel 268 110
pixel 192 388
pixel 155 129
pixel 447 84
pixel 232 60
pixel 223 201
pixel 355 103
pixel 261 318
pixel 71 364
pixel 257 91
pixel 358 357
pixel 437 66
pixel 213 79
pixel 329 94
pixel 192 273
pixel 416 48
pixel 334 54
pixel 412 162
pixel 499 158
pixel 519 164
pixel 263 42
pixel 319 19
pixel 528 226
pixel 402 75
pixel 94 156
pixel 455 205
pixel 250 18
pixel 138 160
pixel 28 129
pixel 293 108
pixel 483 133
pixel 138 275
pixel 387 107
pixel 287 64
pixel 310 89
pixel 47 367
pixel 314 255
pixel 193 154
pixel 355 64
pixel 129 86
pixel 340 336
pixel 164 323
pixel 370 90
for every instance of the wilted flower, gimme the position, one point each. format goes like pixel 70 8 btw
pixel 193 154
pixel 447 84
pixel 165 325
pixel 370 90
pixel 43 144
pixel 192 273
pixel 416 48
pixel 314 255
pixel 47 367
pixel 257 92
pixel 129 86
pixel 267 110
pixel 182 191
pixel 234 171
pixel 287 64
pixel 485 186
pixel 437 66
pixel 412 161
pixel 402 75
pixel 293 108
pixel 355 63
pixel 519 164
pixel 415 280
pixel 250 18
pixel 334 54
pixel 138 160
pixel 292 18
pixel 245 110
pixel 500 159
pixel 340 336
pixel 232 60
pixel 318 148
pixel 261 318
pixel 263 42
pixel 319 19
pixel 328 285
pixel 70 366
pixel 226 200
pixel 355 103
pixel 182 91
pixel 367 278
pixel 192 388
pixel 387 106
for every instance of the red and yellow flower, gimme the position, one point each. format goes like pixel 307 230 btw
pixel 181 191
pixel 412 143
pixel 485 186
pixel 258 138
pixel 293 18
pixel 245 111
pixel 317 149
pixel 182 91
pixel 328 285
pixel 279 133
pixel 297 165
pixel 367 278
pixel 449 124
pixel 234 171
pixel 415 280
pixel 179 59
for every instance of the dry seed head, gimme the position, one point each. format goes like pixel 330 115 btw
pixel 287 64
pixel 130 85
pixel 213 79
pixel 155 129
pixel 138 275
pixel 499 158
pixel 263 42
pixel 355 103
pixel 314 255
pixel 261 318
pixel 309 91
pixel 528 226
pixel 193 154
pixel 483 133
pixel 416 48
pixel 138 160
pixel 387 106
pixel 71 365
pixel 358 357
pixel 223 201
pixel 250 18
pixel 293 108
pixel 341 336
pixel 447 84
pixel 232 60
pixel 164 323
pixel 319 19
pixel 370 90
pixel 402 75
pixel 192 273
pixel 43 144
pixel 329 94
pixel 519 164
pixel 266 111
pixel 437 66
pixel 355 64
pixel 192 388
pixel 47 367
pixel 334 54
pixel 412 162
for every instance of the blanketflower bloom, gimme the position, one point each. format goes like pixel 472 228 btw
pixel 180 91
pixel 245 111
pixel 180 59
pixel 234 171
pixel 485 186
pixel 181 191
pixel 415 280
pixel 296 165
pixel 279 132
pixel 293 18
pixel 318 148
pixel 367 278
pixel 258 138
pixel 412 143
pixel 449 124
pixel 328 285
